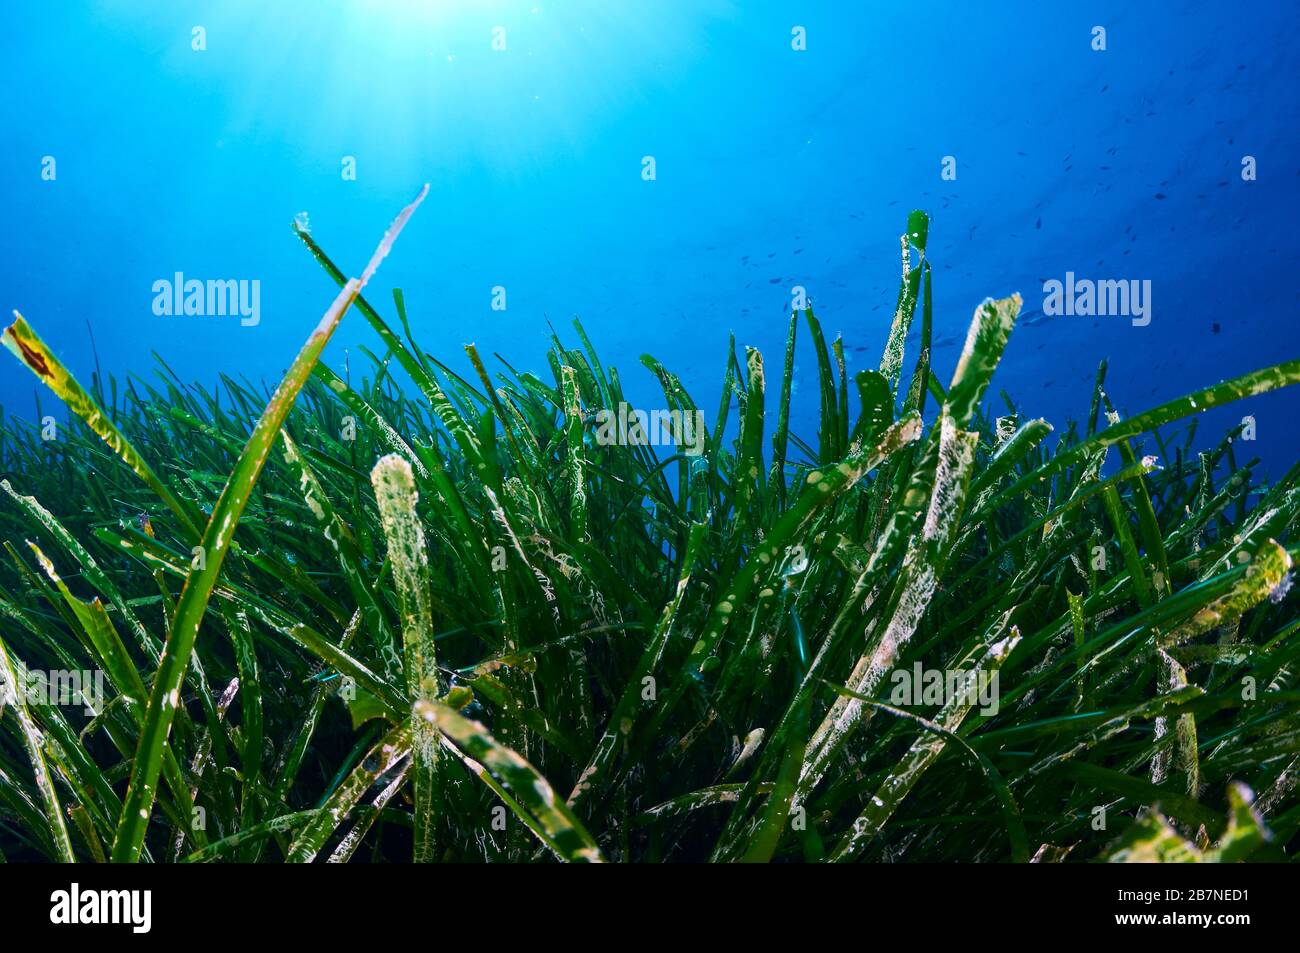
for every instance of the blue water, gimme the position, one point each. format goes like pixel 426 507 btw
pixel 774 168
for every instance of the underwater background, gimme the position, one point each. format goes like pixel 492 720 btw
pixel 408 638
pixel 789 141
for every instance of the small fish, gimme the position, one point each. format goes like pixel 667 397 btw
pixel 146 524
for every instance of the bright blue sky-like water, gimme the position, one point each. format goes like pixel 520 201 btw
pixel 774 167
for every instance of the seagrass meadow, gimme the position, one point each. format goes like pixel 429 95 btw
pixel 412 615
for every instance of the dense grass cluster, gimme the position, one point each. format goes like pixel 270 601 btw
pixel 437 619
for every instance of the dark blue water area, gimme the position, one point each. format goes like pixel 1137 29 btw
pixel 775 167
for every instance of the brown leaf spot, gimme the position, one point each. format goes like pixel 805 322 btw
pixel 35 360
